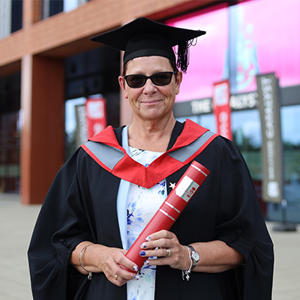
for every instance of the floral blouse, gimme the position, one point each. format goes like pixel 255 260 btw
pixel 142 204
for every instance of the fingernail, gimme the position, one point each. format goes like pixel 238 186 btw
pixel 148 238
pixel 143 245
pixel 135 268
pixel 136 277
pixel 147 263
pixel 142 253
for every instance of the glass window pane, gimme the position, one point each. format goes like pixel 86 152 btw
pixel 246 134
pixel 71 126
pixel 291 162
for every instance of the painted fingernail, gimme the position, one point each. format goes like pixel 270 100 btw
pixel 147 263
pixel 142 253
pixel 143 245
pixel 135 268
pixel 148 238
pixel 136 277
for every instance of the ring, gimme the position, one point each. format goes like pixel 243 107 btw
pixel 116 276
pixel 168 252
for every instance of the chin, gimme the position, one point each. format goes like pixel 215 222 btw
pixel 155 116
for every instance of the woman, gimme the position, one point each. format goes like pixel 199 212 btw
pixel 109 190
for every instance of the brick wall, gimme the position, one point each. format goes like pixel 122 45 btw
pixel 68 33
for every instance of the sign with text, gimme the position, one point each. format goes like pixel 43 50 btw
pixel 221 108
pixel 269 110
pixel 95 115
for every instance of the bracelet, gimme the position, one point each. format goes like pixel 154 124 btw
pixel 186 273
pixel 90 275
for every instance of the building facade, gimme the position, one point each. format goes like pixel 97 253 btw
pixel 48 67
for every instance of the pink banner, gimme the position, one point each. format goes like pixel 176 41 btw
pixel 95 115
pixel 208 56
pixel 221 108
pixel 259 43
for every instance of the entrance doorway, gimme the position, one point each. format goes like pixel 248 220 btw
pixel 9 133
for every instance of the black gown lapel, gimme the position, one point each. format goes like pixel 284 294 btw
pixel 108 191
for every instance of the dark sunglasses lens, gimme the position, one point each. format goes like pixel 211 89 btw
pixel 135 81
pixel 163 78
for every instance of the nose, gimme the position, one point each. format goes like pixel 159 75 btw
pixel 149 87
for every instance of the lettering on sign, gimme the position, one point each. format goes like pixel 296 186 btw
pixel 201 106
pixel 243 101
pixel 269 109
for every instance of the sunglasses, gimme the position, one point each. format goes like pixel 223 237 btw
pixel 138 80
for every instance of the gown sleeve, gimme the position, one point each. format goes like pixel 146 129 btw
pixel 241 225
pixel 63 222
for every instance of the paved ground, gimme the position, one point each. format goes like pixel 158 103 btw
pixel 16 224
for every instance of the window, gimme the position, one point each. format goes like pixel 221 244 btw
pixel 291 165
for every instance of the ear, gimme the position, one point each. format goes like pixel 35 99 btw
pixel 178 81
pixel 122 85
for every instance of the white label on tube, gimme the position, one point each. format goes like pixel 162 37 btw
pixel 186 188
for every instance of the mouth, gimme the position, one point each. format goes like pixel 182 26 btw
pixel 151 102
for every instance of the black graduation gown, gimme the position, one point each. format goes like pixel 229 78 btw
pixel 81 205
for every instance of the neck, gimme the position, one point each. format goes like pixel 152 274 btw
pixel 151 135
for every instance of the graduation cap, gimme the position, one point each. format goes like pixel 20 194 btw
pixel 144 37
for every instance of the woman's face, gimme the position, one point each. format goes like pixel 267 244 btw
pixel 151 102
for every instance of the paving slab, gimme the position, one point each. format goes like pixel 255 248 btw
pixel 16 225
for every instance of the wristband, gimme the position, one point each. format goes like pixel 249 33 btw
pixel 90 274
pixel 186 273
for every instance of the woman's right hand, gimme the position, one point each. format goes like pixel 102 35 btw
pixel 111 261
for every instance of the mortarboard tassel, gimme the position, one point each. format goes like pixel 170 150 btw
pixel 183 58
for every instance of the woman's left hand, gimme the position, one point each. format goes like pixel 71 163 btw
pixel 165 246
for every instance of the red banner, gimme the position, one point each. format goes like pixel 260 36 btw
pixel 95 115
pixel 221 107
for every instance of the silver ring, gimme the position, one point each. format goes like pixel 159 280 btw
pixel 168 252
pixel 116 276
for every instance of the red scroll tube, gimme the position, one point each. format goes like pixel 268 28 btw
pixel 172 207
